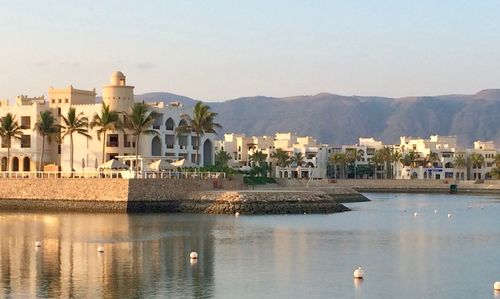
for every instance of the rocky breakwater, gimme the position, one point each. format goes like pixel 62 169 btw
pixel 252 202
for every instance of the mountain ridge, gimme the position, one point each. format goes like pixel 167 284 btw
pixel 339 119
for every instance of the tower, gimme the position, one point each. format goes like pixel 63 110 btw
pixel 118 95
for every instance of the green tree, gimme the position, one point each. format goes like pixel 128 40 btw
pixel 138 120
pixel 395 159
pixel 432 157
pixel 459 163
pixel 9 129
pixel 47 128
pixel 259 165
pixel 497 160
pixel 108 121
pixel 282 157
pixel 202 122
pixel 298 159
pixel 74 123
pixel 222 158
pixel 339 159
pixel 477 161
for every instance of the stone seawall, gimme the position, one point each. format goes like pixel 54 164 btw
pixel 160 195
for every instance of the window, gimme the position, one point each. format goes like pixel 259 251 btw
pixel 194 142
pixel 5 142
pixel 169 140
pixel 193 158
pixel 59 101
pixel 66 101
pixel 25 122
pixel 128 140
pixel 59 149
pixel 58 111
pixel 183 140
pixel 25 141
pixel 53 101
pixel 112 140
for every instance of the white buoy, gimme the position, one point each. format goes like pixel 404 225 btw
pixel 449 215
pixel 415 214
pixel 359 273
pixel 237 214
pixel 470 206
pixel 100 249
pixel 193 255
pixel 496 286
pixel 38 244
pixel 435 211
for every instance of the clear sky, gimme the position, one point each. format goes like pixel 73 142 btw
pixel 218 50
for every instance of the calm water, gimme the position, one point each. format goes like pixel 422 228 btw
pixel 301 256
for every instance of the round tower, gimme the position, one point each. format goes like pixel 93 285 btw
pixel 118 95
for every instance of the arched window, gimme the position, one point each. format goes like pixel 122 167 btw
pixel 15 164
pixel 156 146
pixel 448 165
pixel 183 122
pixel 207 153
pixel 4 164
pixel 26 164
pixel 169 124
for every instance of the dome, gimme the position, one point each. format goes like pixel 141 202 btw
pixel 118 74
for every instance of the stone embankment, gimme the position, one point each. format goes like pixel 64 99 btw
pixel 406 186
pixel 166 195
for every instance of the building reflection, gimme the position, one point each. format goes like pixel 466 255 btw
pixel 144 255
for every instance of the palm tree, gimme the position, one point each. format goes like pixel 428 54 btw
pixel 497 160
pixel 378 158
pixel 222 158
pixel 432 157
pixel 339 159
pixel 74 123
pixel 107 121
pixel 298 158
pixel 46 126
pixel 283 160
pixel 395 158
pixel 138 120
pixel 460 163
pixel 258 159
pixel 477 161
pixel 202 122
pixel 351 156
pixel 9 128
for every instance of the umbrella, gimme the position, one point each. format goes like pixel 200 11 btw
pixel 160 165
pixel 113 164
pixel 183 163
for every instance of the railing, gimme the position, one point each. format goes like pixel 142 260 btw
pixel 112 174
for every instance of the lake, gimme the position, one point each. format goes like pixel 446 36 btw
pixel 275 256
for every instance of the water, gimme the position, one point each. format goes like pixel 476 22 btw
pixel 300 256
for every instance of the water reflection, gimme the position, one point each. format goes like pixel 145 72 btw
pixel 143 257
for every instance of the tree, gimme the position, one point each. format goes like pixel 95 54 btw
pixel 377 159
pixel 258 159
pixel 47 128
pixel 339 159
pixel 459 163
pixel 298 159
pixel 74 123
pixel 395 158
pixel 9 128
pixel 495 173
pixel 138 120
pixel 107 121
pixel 282 157
pixel 497 160
pixel 222 158
pixel 432 157
pixel 351 155
pixel 477 160
pixel 202 122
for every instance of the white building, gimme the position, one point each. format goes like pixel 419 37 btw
pixel 88 151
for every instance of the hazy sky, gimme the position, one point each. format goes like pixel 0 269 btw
pixel 217 50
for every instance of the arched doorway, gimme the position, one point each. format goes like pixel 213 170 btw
pixel 207 153
pixel 156 146
pixel 15 164
pixel 4 164
pixel 26 164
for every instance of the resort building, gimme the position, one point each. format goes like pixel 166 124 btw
pixel 25 154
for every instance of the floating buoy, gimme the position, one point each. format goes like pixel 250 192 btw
pixel 496 286
pixel 415 214
pixel 449 215
pixel 359 273
pixel 435 211
pixel 100 249
pixel 305 213
pixel 38 244
pixel 470 206
pixel 193 255
pixel 237 214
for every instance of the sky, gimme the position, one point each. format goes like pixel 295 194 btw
pixel 219 50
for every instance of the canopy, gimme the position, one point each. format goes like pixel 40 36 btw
pixel 183 163
pixel 160 165
pixel 113 164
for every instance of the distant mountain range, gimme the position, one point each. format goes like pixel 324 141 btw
pixel 337 119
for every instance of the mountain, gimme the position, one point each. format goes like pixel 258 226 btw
pixel 337 119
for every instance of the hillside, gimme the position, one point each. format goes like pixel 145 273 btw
pixel 337 119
